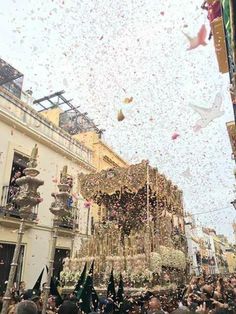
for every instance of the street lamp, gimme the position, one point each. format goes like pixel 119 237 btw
pixel 26 198
pixel 234 203
pixel 59 208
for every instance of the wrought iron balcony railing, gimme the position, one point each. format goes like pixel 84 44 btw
pixel 67 224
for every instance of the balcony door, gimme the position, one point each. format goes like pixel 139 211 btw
pixel 6 255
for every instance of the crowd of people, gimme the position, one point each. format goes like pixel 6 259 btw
pixel 211 294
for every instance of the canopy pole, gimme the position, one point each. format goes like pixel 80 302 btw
pixel 148 216
pixel 148 197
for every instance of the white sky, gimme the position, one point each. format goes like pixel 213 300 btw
pixel 95 49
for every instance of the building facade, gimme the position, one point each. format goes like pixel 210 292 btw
pixel 208 252
pixel 103 156
pixel 21 128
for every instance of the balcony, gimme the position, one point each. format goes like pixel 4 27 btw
pixel 10 78
pixel 9 213
pixel 67 224
pixel 13 108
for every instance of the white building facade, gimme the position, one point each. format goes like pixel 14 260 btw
pixel 201 248
pixel 21 128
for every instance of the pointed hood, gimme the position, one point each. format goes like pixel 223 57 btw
pixel 37 284
pixel 111 292
pixel 81 279
pixel 120 296
pixel 79 286
pixel 87 296
pixel 54 291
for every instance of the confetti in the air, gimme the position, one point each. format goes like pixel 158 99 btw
pixel 175 135
pixel 187 173
pixel 102 58
pixel 208 114
pixel 120 116
pixel 199 40
pixel 128 100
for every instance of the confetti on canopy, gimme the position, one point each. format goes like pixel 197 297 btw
pixel 199 40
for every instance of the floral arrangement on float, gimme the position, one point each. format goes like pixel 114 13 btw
pixel 68 278
pixel 140 277
pixel 172 258
pixel 136 263
pixel 137 273
pixel 155 262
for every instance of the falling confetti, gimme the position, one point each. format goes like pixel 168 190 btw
pixel 208 114
pixel 174 136
pixel 120 116
pixel 65 83
pixel 187 173
pixel 194 42
pixel 75 196
pixel 128 100
pixel 87 204
pixel 133 69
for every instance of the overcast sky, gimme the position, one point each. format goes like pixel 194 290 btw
pixel 102 51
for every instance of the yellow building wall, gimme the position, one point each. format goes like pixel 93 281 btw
pixel 231 260
pixel 87 138
pixel 103 156
pixel 52 115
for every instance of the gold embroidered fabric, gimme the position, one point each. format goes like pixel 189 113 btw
pixel 131 179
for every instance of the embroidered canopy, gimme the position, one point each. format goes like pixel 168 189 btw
pixel 130 180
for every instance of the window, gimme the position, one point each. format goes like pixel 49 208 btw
pixel 6 255
pixel 18 165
